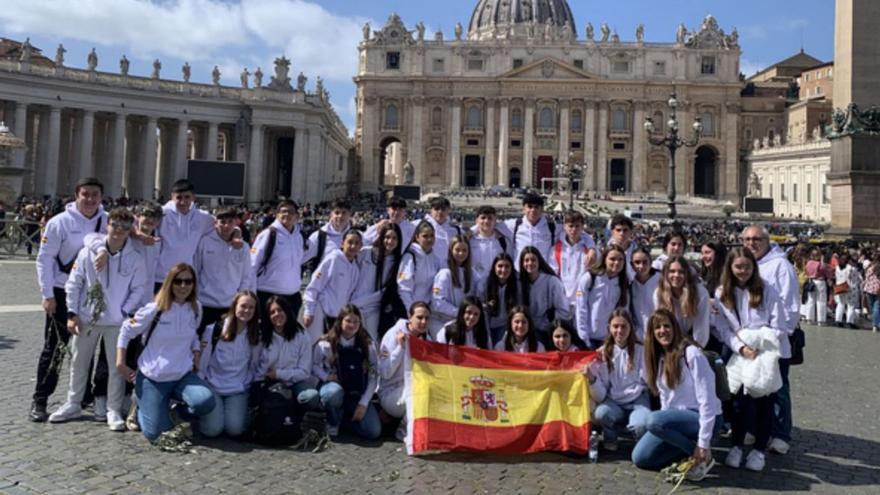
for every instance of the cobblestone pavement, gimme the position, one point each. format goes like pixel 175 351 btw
pixel 836 450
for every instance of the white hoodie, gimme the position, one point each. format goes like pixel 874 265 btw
pixel 123 284
pixel 777 272
pixel 63 238
pixel 180 236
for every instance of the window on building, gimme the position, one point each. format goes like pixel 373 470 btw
pixel 475 64
pixel 546 119
pixel 794 191
pixel 826 198
pixel 577 121
pixel 771 190
pixel 439 65
pixel 818 90
pixel 339 166
pixel 782 192
pixel 472 142
pixel 515 143
pixel 806 77
pixel 516 121
pixel 474 117
pixel 809 193
pixel 579 63
pixel 818 74
pixel 517 63
pixel 659 122
pixel 707 66
pixel 660 68
pixel 620 67
pixel 618 120
pixel 618 146
pixel 708 121
pixel 771 134
pixel 830 72
pixel 437 117
pixel 392 117
pixel 392 60
pixel 748 134
pixel 575 145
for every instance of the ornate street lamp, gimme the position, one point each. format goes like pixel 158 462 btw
pixel 570 171
pixel 672 141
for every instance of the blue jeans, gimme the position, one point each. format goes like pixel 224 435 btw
pixel 230 416
pixel 340 409
pixel 782 421
pixel 874 305
pixel 610 415
pixel 671 436
pixel 154 398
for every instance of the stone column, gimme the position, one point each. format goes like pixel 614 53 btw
pixel 370 169
pixel 178 169
pixel 20 131
pixel 491 170
pixel 86 167
pixel 455 144
pixel 640 151
pixel 148 184
pixel 255 165
pixel 564 128
pixel 684 157
pixel 314 185
pixel 728 187
pixel 50 184
pixel 602 145
pixel 590 146
pixel 117 160
pixel 415 152
pixel 528 144
pixel 504 144
pixel 300 152
pixel 211 148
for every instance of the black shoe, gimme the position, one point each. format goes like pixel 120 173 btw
pixel 38 413
pixel 839 324
pixel 852 326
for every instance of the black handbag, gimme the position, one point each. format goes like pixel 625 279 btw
pixel 809 286
pixel 798 340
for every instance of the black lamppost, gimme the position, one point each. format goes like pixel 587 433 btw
pixel 672 141
pixel 571 171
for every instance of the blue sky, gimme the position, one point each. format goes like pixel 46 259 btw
pixel 321 36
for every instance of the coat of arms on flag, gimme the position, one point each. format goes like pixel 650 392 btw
pixel 465 399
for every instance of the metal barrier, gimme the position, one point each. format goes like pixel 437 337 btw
pixel 15 236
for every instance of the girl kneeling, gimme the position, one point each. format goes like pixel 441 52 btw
pixel 521 335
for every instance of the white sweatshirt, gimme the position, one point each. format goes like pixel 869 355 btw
pixel 123 282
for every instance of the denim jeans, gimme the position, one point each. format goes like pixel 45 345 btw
pixel 340 409
pixel 874 306
pixel 782 421
pixel 230 416
pixel 610 415
pixel 154 397
pixel 671 436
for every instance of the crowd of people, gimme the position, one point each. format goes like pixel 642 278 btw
pixel 249 323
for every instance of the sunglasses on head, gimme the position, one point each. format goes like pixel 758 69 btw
pixel 183 282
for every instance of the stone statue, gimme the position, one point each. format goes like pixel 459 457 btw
pixel 244 78
pixel 565 32
pixel 366 30
pixel 26 51
pixel 817 133
pixel 765 143
pixel 124 65
pixel 215 75
pixel 548 30
pixel 319 86
pixel 615 38
pixel 187 71
pixel 59 55
pixel 408 173
pixel 777 140
pixel 640 33
pixel 756 145
pixel 458 31
pixel 301 81
pixel 531 31
pixel 590 33
pixel 754 185
pixel 606 32
pixel 733 39
pixel 420 30
pixel 438 36
pixel 281 79
pixel 680 34
pixel 157 66
pixel 258 78
pixel 93 60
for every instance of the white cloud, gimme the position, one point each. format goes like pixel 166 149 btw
pixel 750 68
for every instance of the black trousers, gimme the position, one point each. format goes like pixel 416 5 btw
pixel 54 333
pixel 295 301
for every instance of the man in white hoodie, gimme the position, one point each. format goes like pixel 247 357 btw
pixel 182 226
pixel 61 241
pixel 277 257
pixel 97 304
pixel 777 272
pixel 329 237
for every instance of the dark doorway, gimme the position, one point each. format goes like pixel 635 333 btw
pixel 617 177
pixel 284 159
pixel 545 169
pixel 472 171
pixel 383 156
pixel 515 177
pixel 704 171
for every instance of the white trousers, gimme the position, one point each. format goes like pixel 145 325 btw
pixel 847 305
pixel 392 401
pixel 817 302
pixel 83 352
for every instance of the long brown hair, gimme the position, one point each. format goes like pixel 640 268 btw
pixel 608 345
pixel 688 300
pixel 601 268
pixel 455 270
pixel 362 338
pixel 654 351
pixel 229 320
pixel 165 297
pixel 754 285
pixel 531 336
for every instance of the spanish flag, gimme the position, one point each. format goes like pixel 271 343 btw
pixel 472 400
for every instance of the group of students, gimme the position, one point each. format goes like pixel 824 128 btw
pixel 223 316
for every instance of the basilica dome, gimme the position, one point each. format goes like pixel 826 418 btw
pixel 519 18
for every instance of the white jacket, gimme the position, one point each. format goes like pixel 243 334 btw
pixel 122 281
pixel 547 293
pixel 61 241
pixel 445 298
pixel 222 270
pixel 569 262
pixel 291 359
pixel 283 271
pixel 332 285
pixel 180 236
pixel 415 277
pixel 595 302
pixel 777 272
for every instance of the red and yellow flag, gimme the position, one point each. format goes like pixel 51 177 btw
pixel 465 399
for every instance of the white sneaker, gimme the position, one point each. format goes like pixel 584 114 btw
pixel 333 431
pixel 777 445
pixel 734 458
pixel 874 329
pixel 755 461
pixel 400 434
pixel 101 409
pixel 115 421
pixel 66 412
pixel 698 472
pixel 749 439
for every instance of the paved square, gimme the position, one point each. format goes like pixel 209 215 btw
pixel 836 450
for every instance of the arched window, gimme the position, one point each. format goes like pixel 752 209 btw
pixel 516 121
pixel 392 117
pixel 618 120
pixel 437 117
pixel 474 117
pixel 577 121
pixel 545 119
pixel 659 121
pixel 708 124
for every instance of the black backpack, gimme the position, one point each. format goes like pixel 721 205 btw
pixel 550 225
pixel 311 265
pixel 276 414
pixel 270 248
